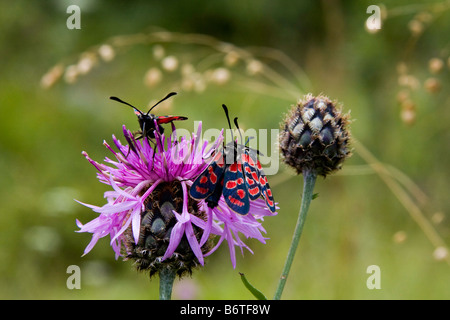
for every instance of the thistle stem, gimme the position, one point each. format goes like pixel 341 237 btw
pixel 166 278
pixel 309 180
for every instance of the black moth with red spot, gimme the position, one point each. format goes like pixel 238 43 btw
pixel 239 180
pixel 147 120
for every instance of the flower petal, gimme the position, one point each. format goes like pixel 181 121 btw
pixel 192 239
pixel 175 238
pixel 136 223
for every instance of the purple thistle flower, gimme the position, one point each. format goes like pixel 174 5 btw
pixel 149 214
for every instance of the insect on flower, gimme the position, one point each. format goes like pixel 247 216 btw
pixel 239 180
pixel 149 215
pixel 147 120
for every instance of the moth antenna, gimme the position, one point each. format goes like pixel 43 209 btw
pixel 248 140
pixel 121 101
pixel 228 119
pixel 239 130
pixel 165 98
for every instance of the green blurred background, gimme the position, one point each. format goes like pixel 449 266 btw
pixel 390 210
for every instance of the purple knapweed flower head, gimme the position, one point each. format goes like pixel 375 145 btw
pixel 149 214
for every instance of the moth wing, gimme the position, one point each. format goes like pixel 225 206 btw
pixel 167 119
pixel 235 190
pixel 252 174
pixel 209 179
pixel 266 192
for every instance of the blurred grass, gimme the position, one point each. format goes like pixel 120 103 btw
pixel 357 218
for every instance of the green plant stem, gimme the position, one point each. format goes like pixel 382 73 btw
pixel 309 180
pixel 166 278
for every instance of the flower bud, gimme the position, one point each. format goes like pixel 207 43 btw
pixel 314 136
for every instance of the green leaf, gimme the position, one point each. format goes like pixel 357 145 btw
pixel 258 294
pixel 315 195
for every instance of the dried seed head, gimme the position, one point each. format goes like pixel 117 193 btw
pixel 254 67
pixel 432 85
pixel 86 63
pixel 400 237
pixel 152 77
pixel 106 52
pixel 440 253
pixel 220 76
pixel 53 75
pixel 170 63
pixel 157 222
pixel 314 136
pixel 435 65
pixel 158 52
pixel 408 112
pixel 71 74
pixel 231 58
pixel 416 27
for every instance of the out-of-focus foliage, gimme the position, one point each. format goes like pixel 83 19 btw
pixel 390 210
